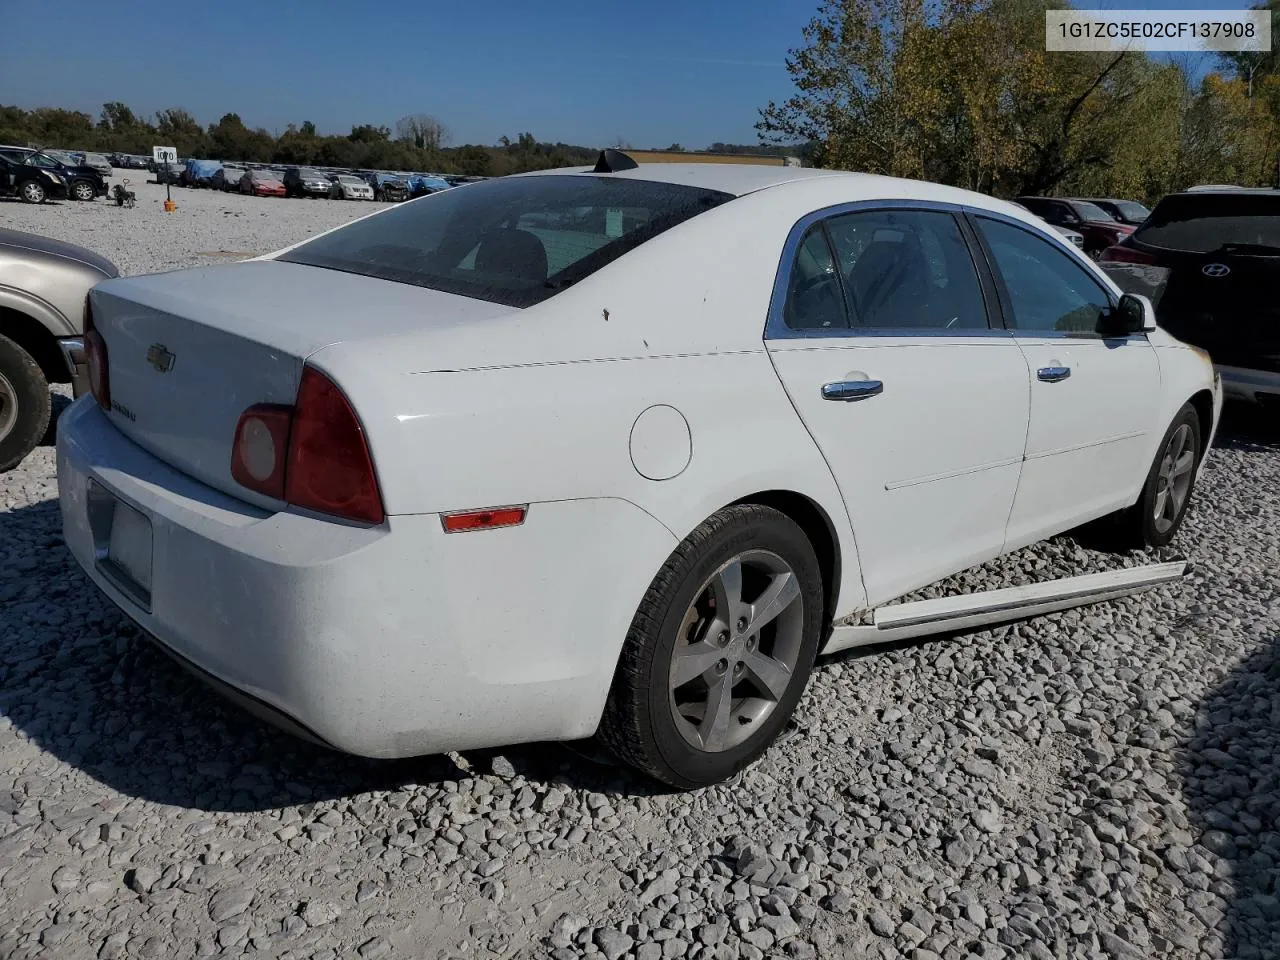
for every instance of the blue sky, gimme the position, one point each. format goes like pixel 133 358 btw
pixel 651 72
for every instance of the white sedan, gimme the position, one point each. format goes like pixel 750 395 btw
pixel 352 188
pixel 605 452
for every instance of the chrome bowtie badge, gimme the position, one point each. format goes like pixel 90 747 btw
pixel 1215 269
pixel 160 358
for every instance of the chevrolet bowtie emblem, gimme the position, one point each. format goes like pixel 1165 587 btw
pixel 160 358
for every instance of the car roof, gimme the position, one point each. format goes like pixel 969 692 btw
pixel 740 179
pixel 1227 188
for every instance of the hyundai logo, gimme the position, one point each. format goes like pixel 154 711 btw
pixel 160 358
pixel 1215 269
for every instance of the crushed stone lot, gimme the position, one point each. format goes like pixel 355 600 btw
pixel 1098 783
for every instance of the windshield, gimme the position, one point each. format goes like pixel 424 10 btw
pixel 308 174
pixel 266 175
pixel 515 241
pixel 1204 222
pixel 1090 211
pixel 42 160
pixel 354 180
pixel 1131 210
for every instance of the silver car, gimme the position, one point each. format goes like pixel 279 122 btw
pixel 44 286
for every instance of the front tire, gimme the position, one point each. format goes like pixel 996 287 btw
pixel 24 404
pixel 719 652
pixel 83 190
pixel 1155 519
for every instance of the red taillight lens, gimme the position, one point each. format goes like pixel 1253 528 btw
pixel 329 468
pixel 261 449
pixel 483 519
pixel 95 349
pixel 311 455
pixel 1120 253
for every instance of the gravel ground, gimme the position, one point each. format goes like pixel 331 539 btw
pixel 1102 782
pixel 208 226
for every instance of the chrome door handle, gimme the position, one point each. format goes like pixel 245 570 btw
pixel 1053 374
pixel 851 390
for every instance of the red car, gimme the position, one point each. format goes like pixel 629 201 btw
pixel 1097 227
pixel 262 183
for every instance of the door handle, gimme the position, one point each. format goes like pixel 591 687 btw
pixel 851 390
pixel 1053 374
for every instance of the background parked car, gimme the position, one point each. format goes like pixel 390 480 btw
pixel 227 178
pixel 1213 259
pixel 306 182
pixel 1122 211
pixel 351 187
pixel 388 187
pixel 1074 236
pixel 200 173
pixel 96 161
pixel 30 183
pixel 1095 224
pixel 83 183
pixel 262 183
pixel 43 287
pixel 170 173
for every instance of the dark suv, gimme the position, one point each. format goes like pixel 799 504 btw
pixel 32 184
pixel 82 183
pixel 305 182
pixel 1210 260
pixel 1093 223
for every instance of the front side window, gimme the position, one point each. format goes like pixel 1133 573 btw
pixel 512 240
pixel 1047 289
pixel 907 269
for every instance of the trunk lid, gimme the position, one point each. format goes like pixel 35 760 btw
pixel 189 351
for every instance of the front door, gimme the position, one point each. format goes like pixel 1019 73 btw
pixel 1094 400
pixel 883 344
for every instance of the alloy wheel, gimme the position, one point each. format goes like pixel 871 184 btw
pixel 8 407
pixel 1173 480
pixel 32 192
pixel 83 190
pixel 736 651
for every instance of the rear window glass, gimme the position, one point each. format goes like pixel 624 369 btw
pixel 1205 222
pixel 515 241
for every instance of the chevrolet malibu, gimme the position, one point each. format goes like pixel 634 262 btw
pixel 605 451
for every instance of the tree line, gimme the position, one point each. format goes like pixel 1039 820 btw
pixel 418 142
pixel 963 92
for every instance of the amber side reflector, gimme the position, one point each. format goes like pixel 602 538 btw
pixel 484 519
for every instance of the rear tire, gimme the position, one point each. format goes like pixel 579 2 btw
pixel 718 655
pixel 24 404
pixel 1166 495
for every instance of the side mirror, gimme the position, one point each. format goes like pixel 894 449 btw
pixel 1133 314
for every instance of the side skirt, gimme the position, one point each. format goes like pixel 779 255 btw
pixel 923 618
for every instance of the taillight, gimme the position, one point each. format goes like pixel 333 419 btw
pixel 95 351
pixel 1121 253
pixel 261 449
pixel 311 455
pixel 329 468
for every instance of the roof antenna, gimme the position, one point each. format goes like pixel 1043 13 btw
pixel 611 161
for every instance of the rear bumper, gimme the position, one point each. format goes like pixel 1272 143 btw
pixel 1252 386
pixel 390 641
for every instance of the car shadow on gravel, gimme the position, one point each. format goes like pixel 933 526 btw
pixel 1231 784
pixel 79 680
pixel 1246 426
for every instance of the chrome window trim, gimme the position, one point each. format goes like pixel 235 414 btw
pixel 775 323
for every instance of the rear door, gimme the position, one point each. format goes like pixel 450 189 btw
pixel 879 331
pixel 1094 400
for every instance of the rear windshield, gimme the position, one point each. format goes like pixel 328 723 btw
pixel 1132 210
pixel 1204 222
pixel 1090 211
pixel 514 240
